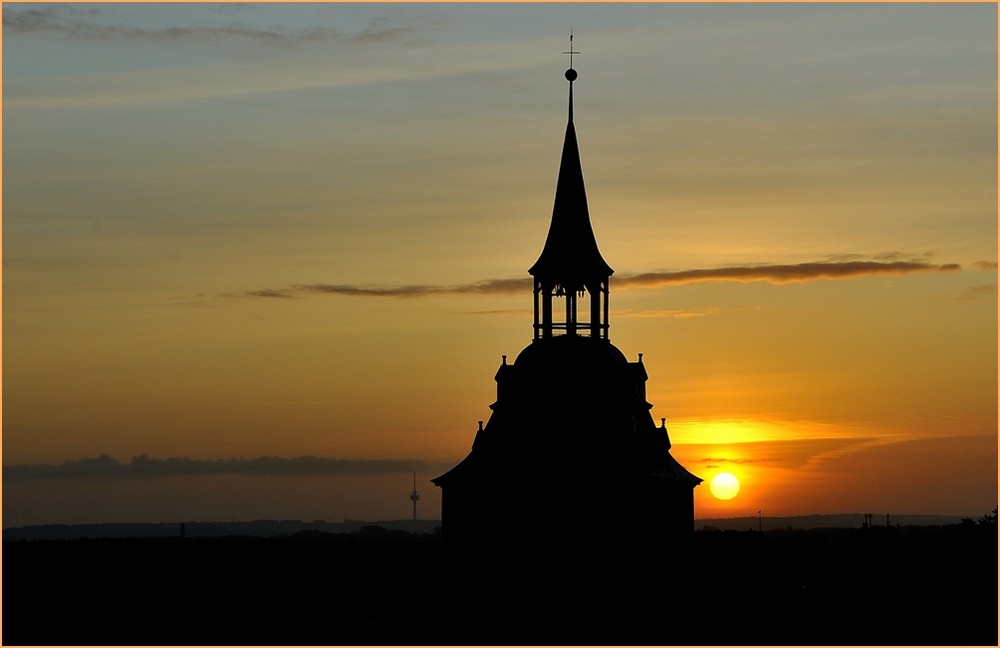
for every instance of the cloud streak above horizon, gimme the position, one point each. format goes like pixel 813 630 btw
pixel 784 274
pixel 146 467
pixel 775 274
pixel 73 24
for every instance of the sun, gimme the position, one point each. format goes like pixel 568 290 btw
pixel 724 486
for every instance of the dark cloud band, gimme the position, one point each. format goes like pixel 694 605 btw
pixel 781 274
pixel 71 23
pixel 776 274
pixel 145 467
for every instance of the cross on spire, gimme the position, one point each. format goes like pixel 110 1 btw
pixel 571 52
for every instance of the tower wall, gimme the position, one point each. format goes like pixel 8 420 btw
pixel 570 451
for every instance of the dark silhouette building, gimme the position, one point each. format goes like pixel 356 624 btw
pixel 570 451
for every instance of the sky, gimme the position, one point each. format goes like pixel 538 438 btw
pixel 261 261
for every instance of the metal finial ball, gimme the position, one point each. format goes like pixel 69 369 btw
pixel 571 75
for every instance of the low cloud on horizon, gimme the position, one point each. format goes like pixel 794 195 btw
pixel 106 467
pixel 775 274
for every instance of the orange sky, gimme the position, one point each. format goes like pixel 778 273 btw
pixel 282 231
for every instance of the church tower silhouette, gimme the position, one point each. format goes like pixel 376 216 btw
pixel 570 450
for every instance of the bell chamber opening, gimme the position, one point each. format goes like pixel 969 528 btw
pixel 549 324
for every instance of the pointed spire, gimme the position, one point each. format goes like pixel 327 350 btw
pixel 570 256
pixel 571 264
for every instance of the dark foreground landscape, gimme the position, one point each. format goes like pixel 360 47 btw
pixel 933 585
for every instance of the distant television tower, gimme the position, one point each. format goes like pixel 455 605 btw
pixel 414 496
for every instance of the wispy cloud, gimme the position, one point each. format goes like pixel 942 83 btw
pixel 488 286
pixel 145 467
pixel 262 65
pixel 513 312
pixel 717 462
pixel 983 291
pixel 775 274
pixel 670 314
pixel 783 274
pixel 276 294
pixel 986 265
pixel 853 447
pixel 63 22
pixel 491 286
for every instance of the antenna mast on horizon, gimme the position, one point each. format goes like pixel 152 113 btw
pixel 414 496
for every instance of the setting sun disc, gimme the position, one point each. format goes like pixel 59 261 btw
pixel 724 486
